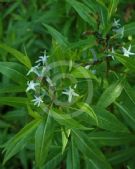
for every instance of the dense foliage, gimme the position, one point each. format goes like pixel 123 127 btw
pixel 67 84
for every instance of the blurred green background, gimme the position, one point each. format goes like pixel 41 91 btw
pixel 21 22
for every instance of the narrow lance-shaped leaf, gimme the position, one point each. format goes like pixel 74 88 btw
pixel 67 121
pixel 18 55
pixel 127 114
pixel 43 138
pixel 15 144
pixel 129 29
pixel 73 159
pixel 84 12
pixel 84 107
pixel 112 8
pixel 111 94
pixel 108 121
pixel 90 151
pixel 57 35
pixel 127 62
pixel 33 113
pixel 105 138
pixel 65 136
pixel 120 156
pixel 130 92
pixel 14 101
pixel 11 88
pixel 54 159
pixel 103 14
pixel 84 44
pixel 9 69
pixel 81 72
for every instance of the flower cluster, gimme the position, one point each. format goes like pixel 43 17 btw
pixel 39 70
pixel 114 37
pixel 40 86
pixel 117 28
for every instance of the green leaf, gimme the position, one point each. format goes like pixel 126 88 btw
pixel 9 69
pixel 84 44
pixel 110 94
pixel 127 114
pixel 84 12
pixel 65 136
pixel 129 29
pixel 120 156
pixel 87 109
pixel 11 89
pixel 66 120
pixel 112 8
pixel 18 55
pixel 14 101
pixel 53 162
pixel 130 92
pixel 103 14
pixel 34 113
pixel 90 151
pixel 15 144
pixel 57 35
pixel 91 4
pixel 4 124
pixel 15 115
pixel 73 160
pixel 105 138
pixel 11 9
pixel 43 139
pixel 108 121
pixel 99 7
pixel 127 62
pixel 81 72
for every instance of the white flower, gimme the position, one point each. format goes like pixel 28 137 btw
pixel 87 67
pixel 37 101
pixel 42 59
pixel 49 81
pixel 34 70
pixel 120 32
pixel 45 69
pixel 126 52
pixel 70 93
pixel 31 85
pixel 116 23
pixel 112 53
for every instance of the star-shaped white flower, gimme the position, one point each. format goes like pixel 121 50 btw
pixel 70 93
pixel 120 32
pixel 34 69
pixel 50 81
pixel 87 67
pixel 126 52
pixel 37 101
pixel 31 85
pixel 112 53
pixel 42 59
pixel 45 70
pixel 116 23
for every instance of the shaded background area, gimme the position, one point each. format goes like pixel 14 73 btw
pixel 21 22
